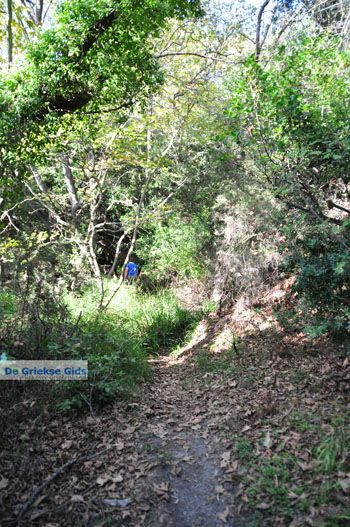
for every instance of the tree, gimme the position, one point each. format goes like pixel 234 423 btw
pixel 9 35
pixel 292 119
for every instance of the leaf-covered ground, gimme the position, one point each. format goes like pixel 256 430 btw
pixel 255 434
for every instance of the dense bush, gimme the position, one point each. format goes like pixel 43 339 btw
pixel 294 129
pixel 116 343
pixel 176 247
pixel 323 286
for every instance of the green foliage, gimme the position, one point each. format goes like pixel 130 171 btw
pixel 33 314
pixel 95 53
pixel 292 116
pixel 324 282
pixel 208 306
pixel 118 343
pixel 245 449
pixel 176 247
pixel 116 363
pixel 8 304
pixel 273 479
pixel 334 447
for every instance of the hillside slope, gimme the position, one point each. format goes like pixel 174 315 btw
pixel 247 426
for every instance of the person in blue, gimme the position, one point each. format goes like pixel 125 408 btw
pixel 130 272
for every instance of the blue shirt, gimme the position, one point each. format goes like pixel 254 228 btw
pixel 132 269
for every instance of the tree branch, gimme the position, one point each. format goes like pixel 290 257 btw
pixel 68 177
pixel 258 29
pixel 200 55
pixel 26 506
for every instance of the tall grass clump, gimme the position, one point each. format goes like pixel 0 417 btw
pixel 118 342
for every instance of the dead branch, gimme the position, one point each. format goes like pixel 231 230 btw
pixel 26 506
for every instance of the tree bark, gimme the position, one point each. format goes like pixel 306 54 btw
pixel 9 35
pixel 258 29
pixel 117 252
pixel 68 177
pixel 39 8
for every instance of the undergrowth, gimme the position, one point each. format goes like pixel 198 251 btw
pixel 116 343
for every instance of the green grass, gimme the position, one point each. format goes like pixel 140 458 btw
pixel 334 447
pixel 118 343
pixel 245 450
pixel 270 479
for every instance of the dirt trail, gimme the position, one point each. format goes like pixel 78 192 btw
pixel 162 463
pixel 190 447
pixel 179 435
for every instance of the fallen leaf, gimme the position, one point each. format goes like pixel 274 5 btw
pixel 67 444
pixel 225 459
pixel 220 489
pixel 308 466
pixel 345 485
pixel 130 429
pixel 117 503
pixel 224 515
pixel 144 507
pixel 268 440
pixel 292 495
pixel 162 487
pixel 37 514
pixel 3 483
pixel 101 480
pixel 263 506
pixel 76 498
pixel 176 471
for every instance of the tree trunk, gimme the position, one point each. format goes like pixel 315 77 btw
pixel 9 35
pixel 68 176
pixel 39 9
pixel 117 252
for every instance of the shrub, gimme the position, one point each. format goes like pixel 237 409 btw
pixel 118 342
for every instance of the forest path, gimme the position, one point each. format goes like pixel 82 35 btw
pixel 196 446
pixel 163 458
pixel 189 457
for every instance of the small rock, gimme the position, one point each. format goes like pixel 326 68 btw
pixel 117 503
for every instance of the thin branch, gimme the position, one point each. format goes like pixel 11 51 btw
pixel 26 506
pixel 258 29
pixel 334 205
pixel 200 55
pixel 46 12
pixel 124 105
pixel 51 211
pixel 6 212
pixel 117 251
pixel 245 36
pixel 39 181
